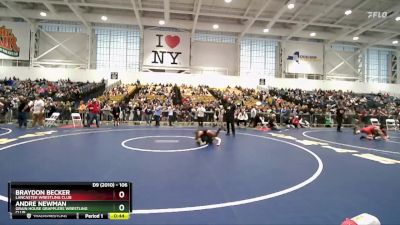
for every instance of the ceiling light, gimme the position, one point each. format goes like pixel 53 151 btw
pixel 290 4
pixel 348 12
pixel 228 1
pixel 312 34
pixel 397 18
pixel 104 18
pixel 161 22
pixel 215 26
pixel 355 38
pixel 43 14
pixel 266 30
pixel 395 42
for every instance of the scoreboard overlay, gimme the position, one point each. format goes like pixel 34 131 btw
pixel 70 200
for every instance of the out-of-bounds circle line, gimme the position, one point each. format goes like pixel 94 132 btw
pixel 249 200
pixel 202 207
pixel 159 150
pixel 7 129
pixel 393 141
pixel 347 145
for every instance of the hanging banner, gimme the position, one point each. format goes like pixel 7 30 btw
pixel 304 58
pixel 166 49
pixel 14 40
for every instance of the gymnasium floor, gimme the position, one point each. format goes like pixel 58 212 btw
pixel 297 176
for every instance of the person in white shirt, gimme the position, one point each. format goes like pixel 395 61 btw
pixel 38 112
pixel 242 118
pixel 200 114
pixel 170 115
pixel 253 114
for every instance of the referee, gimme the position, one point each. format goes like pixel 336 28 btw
pixel 339 117
pixel 230 117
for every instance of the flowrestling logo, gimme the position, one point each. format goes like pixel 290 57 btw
pixel 8 42
pixel 296 57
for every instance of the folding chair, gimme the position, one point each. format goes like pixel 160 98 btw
pixel 263 122
pixel 51 121
pixel 374 121
pixel 76 119
pixel 391 123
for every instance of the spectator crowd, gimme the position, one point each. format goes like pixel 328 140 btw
pixel 186 103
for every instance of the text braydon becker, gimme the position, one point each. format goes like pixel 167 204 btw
pixel 43 195
pixel 42 192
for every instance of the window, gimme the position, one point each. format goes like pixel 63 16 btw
pixel 62 27
pixel 214 37
pixel 376 65
pixel 343 48
pixel 118 48
pixel 258 56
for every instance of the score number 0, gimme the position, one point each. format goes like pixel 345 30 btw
pixel 121 194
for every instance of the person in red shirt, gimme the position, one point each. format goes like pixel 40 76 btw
pixel 295 122
pixel 372 132
pixel 94 110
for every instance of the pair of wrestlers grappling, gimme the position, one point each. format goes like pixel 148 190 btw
pixel 372 132
pixel 205 136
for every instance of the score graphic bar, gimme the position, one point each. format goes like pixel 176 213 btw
pixel 70 200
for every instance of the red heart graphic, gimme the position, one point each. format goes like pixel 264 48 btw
pixel 172 41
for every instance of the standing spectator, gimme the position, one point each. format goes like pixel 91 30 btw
pixel 38 112
pixel 221 117
pixel 200 114
pixel 82 111
pixel 253 114
pixel 67 110
pixel 94 110
pixel 170 115
pixel 23 109
pixel 106 112
pixel 137 112
pixel 217 112
pixel 157 114
pixel 230 117
pixel 128 111
pixel 148 114
pixel 123 110
pixel 116 112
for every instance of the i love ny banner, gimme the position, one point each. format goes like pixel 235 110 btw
pixel 166 49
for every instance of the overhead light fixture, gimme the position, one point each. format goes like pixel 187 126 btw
pixel 161 22
pixel 348 12
pixel 397 18
pixel 228 1
pixel 355 38
pixel 312 34
pixel 43 14
pixel 395 42
pixel 266 30
pixel 290 4
pixel 104 18
pixel 215 26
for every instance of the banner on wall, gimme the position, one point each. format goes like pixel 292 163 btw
pixel 114 75
pixel 14 40
pixel 304 58
pixel 166 49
